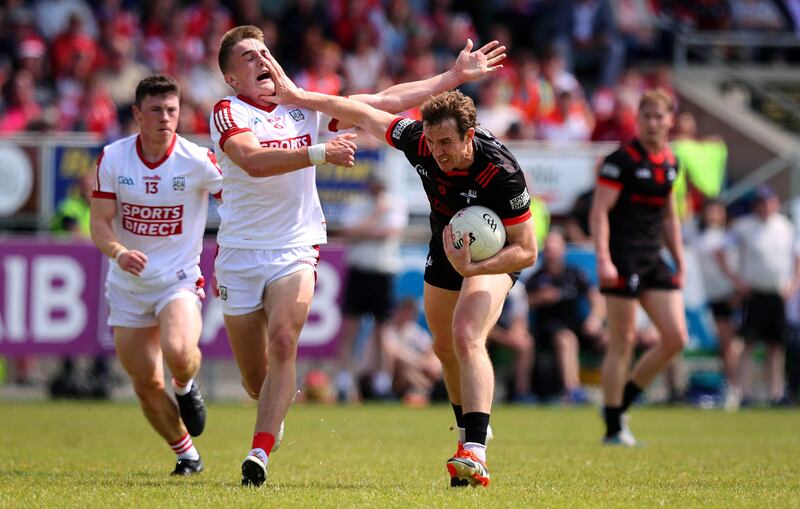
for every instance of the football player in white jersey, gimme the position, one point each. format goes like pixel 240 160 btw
pixel 148 215
pixel 272 221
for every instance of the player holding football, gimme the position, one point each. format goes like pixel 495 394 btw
pixel 459 164
pixel 148 215
pixel 272 220
pixel 633 215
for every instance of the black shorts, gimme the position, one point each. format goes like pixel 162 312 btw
pixel 369 293
pixel 722 308
pixel 764 318
pixel 640 269
pixel 439 272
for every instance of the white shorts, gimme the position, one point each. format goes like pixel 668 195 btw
pixel 244 274
pixel 139 308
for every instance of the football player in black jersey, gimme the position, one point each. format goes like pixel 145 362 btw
pixel 459 164
pixel 633 216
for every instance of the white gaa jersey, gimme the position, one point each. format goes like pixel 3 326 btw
pixel 161 207
pixel 276 212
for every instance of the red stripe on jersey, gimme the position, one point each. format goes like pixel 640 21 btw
pixel 421 146
pixel 218 195
pixel 389 131
pixel 635 155
pixel 609 183
pixel 517 220
pixel 97 171
pixel 228 134
pixel 104 195
pixel 648 200
pixel 158 163
pixel 484 172
pixel 213 158
pixel 487 175
pixel 220 121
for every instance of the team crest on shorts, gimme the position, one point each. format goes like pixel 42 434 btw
pixel 297 115
pixel 223 292
pixel 179 183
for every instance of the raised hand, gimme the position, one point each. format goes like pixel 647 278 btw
pixel 133 261
pixel 341 150
pixel 471 65
pixel 286 92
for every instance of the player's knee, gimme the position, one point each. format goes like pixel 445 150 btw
pixel 466 339
pixel 283 346
pixel 444 352
pixel 676 341
pixel 622 343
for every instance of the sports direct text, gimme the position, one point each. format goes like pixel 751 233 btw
pixel 152 221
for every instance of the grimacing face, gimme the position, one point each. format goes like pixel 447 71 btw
pixel 450 150
pixel 157 117
pixel 248 73
pixel 654 122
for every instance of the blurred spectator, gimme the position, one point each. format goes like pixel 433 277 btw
pixel 570 121
pixel 769 259
pixel 32 57
pixel 791 10
pixel 55 16
pixel 364 66
pixel 121 73
pixel 588 39
pixel 527 87
pixel 372 227
pixel 511 331
pixel 556 292
pixel 703 162
pixel 21 110
pixel 297 20
pixel 409 352
pixel 636 21
pixel 204 83
pixel 71 44
pixel 98 112
pixel 496 113
pixel 616 118
pixel 322 76
pixel 710 244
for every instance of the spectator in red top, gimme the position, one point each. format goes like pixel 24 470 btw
pixel 616 118
pixel 322 76
pixel 527 87
pixel 98 111
pixel 199 18
pixel 570 121
pixel 73 41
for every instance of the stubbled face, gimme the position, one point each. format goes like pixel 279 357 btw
pixel 447 146
pixel 248 73
pixel 654 122
pixel 158 117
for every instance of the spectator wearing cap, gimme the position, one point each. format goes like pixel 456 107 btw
pixel 31 56
pixel 769 267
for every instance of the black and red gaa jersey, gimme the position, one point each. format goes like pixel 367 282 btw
pixel 494 179
pixel 645 183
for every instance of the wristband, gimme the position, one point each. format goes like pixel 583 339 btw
pixel 316 153
pixel 120 253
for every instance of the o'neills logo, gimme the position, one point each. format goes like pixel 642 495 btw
pixel 297 142
pixel 152 221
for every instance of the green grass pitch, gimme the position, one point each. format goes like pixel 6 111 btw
pixel 92 455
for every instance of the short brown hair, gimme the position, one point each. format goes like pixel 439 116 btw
pixel 655 96
pixel 452 104
pixel 157 84
pixel 230 39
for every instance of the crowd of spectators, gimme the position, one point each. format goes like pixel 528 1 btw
pixel 574 71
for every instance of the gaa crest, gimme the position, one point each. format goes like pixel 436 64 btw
pixel 297 115
pixel 179 183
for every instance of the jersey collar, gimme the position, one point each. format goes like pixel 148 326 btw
pixel 158 163
pixel 254 104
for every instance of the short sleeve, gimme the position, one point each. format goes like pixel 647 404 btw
pixel 405 134
pixel 227 119
pixel 213 175
pixel 610 174
pixel 510 198
pixel 104 179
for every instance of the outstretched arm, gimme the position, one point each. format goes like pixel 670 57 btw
pixel 372 120
pixel 469 66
